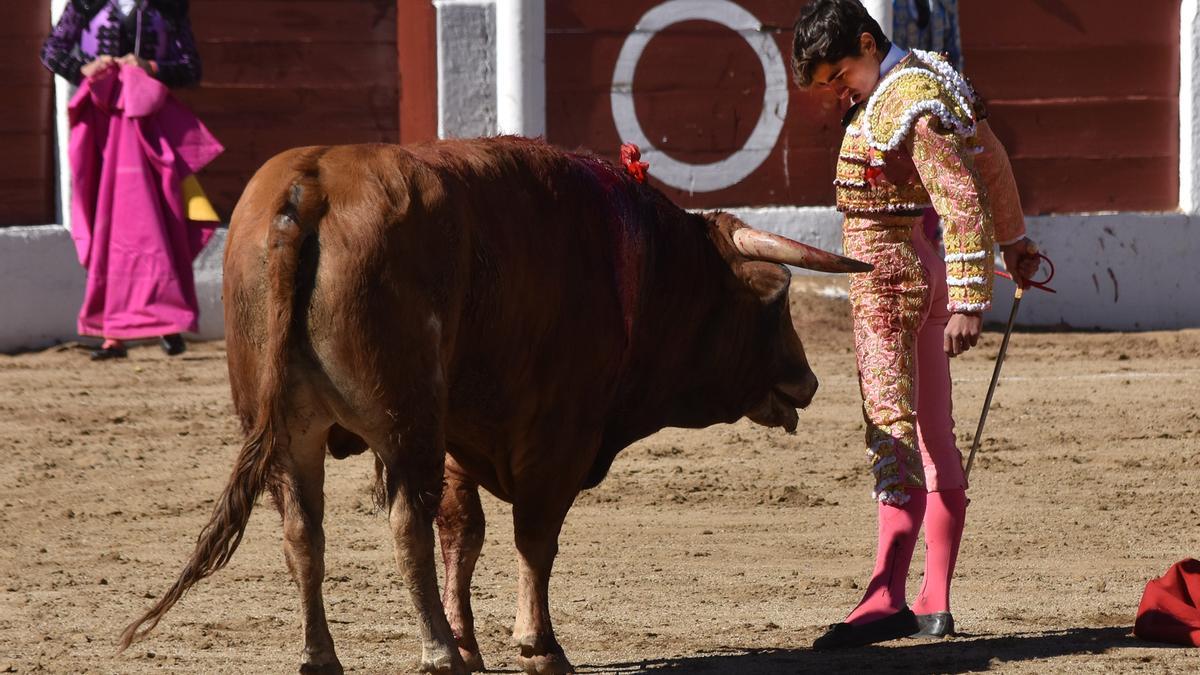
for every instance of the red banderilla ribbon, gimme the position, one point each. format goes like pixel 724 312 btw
pixel 631 156
pixel 1036 284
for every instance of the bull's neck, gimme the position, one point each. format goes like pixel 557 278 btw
pixel 683 277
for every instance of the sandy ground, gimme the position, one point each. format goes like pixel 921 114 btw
pixel 725 550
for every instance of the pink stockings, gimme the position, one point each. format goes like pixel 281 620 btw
pixel 943 514
pixel 898 528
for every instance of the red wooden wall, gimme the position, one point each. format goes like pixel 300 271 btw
pixel 698 91
pixel 1085 95
pixel 1083 92
pixel 27 169
pixel 416 47
pixel 284 73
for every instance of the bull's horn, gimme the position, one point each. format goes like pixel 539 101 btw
pixel 761 245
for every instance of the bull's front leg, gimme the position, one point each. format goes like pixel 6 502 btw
pixel 461 530
pixel 536 529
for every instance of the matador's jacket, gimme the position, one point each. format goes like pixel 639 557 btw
pixel 920 140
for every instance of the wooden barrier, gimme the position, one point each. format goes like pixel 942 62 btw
pixel 280 74
pixel 27 174
pixel 1084 93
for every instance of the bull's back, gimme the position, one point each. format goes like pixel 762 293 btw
pixel 496 241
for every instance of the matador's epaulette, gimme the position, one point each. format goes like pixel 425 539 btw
pixel 931 86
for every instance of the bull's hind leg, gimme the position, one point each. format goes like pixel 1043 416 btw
pixel 298 491
pixel 412 457
pixel 460 529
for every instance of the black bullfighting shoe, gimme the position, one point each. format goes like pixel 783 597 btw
pixel 843 635
pixel 936 625
pixel 173 344
pixel 112 352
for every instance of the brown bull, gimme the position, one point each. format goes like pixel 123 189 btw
pixel 494 313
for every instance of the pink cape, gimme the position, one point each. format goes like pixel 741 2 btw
pixel 132 145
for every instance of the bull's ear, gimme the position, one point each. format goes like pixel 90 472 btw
pixel 768 281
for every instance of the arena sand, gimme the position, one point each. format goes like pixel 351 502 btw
pixel 725 550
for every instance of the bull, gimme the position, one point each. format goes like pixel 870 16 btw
pixel 493 313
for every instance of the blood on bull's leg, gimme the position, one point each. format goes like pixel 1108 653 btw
pixel 461 525
pixel 298 492
pixel 536 528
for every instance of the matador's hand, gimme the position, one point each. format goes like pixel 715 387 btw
pixel 1021 260
pixel 149 67
pixel 962 332
pixel 98 67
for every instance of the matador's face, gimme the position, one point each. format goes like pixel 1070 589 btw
pixel 853 78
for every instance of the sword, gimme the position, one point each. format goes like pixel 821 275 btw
pixel 987 402
pixel 1012 317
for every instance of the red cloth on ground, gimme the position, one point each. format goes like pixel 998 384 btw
pixel 1170 608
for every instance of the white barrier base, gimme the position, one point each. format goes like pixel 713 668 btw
pixel 41 287
pixel 1120 271
pixel 1125 271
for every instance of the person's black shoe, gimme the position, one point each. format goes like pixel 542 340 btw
pixel 173 344
pixel 106 353
pixel 936 625
pixel 843 635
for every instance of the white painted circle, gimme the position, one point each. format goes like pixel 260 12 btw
pixel 739 165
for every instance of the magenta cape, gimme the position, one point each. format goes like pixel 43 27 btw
pixel 132 144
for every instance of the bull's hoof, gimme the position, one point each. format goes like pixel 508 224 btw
pixel 542 655
pixel 472 659
pixel 546 664
pixel 333 668
pixel 443 664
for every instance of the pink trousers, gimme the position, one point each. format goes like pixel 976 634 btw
pixel 900 316
pixel 940 457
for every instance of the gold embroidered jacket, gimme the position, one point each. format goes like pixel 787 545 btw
pixel 919 141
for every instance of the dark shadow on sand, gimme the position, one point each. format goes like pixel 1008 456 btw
pixel 963 654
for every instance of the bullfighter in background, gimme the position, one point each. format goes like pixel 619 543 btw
pixel 134 150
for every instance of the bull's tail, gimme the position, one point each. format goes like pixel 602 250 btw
pixel 294 222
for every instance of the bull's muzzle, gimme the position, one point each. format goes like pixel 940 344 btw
pixel 799 393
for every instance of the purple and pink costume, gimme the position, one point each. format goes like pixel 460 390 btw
pixel 158 29
pixel 132 144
